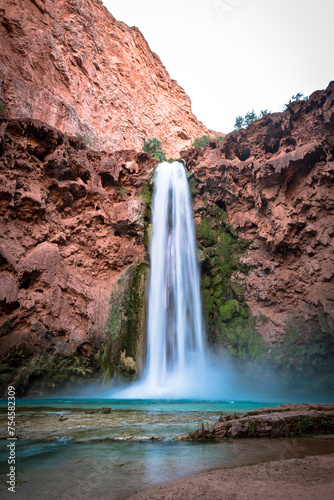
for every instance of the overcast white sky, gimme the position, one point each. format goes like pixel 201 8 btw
pixel 234 55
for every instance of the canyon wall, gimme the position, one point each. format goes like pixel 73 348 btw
pixel 263 203
pixel 72 220
pixel 75 251
pixel 74 66
pixel 79 93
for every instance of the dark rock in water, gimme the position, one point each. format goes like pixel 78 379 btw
pixel 106 410
pixel 61 418
pixel 293 420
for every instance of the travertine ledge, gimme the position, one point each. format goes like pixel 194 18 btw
pixel 288 420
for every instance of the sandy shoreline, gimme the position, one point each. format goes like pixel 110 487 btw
pixel 309 478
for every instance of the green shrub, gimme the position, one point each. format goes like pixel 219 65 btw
pixel 298 97
pixel 201 142
pixel 153 147
pixel 122 191
pixel 2 107
pixel 239 122
pixel 227 311
pixel 250 117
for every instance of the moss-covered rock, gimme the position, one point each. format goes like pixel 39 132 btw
pixel 146 195
pixel 46 373
pixel 123 350
pixel 223 284
pixel 304 359
pixel 302 362
pixel 121 354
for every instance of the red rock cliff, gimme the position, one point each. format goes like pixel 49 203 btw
pixel 71 220
pixel 275 180
pixel 72 65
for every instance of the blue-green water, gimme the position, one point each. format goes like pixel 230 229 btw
pixel 67 448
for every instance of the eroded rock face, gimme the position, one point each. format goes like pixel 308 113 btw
pixel 72 65
pixel 71 221
pixel 275 180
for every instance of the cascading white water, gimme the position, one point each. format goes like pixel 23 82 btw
pixel 175 344
pixel 178 365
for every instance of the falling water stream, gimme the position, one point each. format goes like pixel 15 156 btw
pixel 175 342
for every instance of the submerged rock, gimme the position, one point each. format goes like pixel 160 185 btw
pixel 105 410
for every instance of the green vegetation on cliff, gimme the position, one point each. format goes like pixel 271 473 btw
pixel 2 107
pixel 201 142
pixel 122 352
pixel 223 286
pixel 153 147
pixel 250 116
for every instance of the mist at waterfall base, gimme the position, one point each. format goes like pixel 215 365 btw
pixel 178 362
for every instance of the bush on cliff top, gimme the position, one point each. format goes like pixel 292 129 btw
pixel 250 116
pixel 298 97
pixel 201 142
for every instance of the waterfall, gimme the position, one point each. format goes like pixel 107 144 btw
pixel 175 344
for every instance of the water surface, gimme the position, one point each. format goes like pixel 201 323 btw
pixel 85 455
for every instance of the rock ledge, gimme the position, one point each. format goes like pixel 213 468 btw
pixel 288 420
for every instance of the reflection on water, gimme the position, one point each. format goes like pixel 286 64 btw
pixel 93 455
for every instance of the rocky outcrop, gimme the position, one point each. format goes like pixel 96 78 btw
pixel 281 421
pixel 72 65
pixel 275 182
pixel 72 220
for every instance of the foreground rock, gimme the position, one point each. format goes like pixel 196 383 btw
pixel 282 421
pixel 310 478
